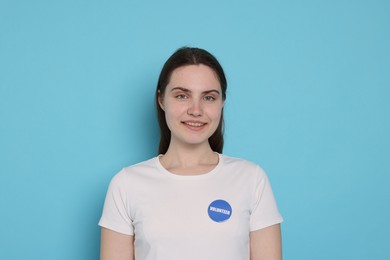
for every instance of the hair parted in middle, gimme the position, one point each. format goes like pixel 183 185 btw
pixel 183 57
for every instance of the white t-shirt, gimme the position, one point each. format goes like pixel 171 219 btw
pixel 205 217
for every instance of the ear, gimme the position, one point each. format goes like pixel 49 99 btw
pixel 160 100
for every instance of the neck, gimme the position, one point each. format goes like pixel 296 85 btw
pixel 189 160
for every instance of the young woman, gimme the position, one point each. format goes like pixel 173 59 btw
pixel 191 201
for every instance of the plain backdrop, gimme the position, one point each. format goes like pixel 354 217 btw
pixel 308 100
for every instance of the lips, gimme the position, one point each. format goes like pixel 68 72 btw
pixel 193 124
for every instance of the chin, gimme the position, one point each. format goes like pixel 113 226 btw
pixel 194 141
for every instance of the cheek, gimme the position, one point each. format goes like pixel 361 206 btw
pixel 172 112
pixel 216 113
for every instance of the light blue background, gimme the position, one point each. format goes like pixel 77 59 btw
pixel 308 99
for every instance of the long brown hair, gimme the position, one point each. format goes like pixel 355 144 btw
pixel 182 57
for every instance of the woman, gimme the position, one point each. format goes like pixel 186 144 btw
pixel 191 202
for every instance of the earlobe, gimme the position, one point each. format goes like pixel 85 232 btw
pixel 160 102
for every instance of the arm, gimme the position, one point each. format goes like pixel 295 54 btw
pixel 266 243
pixel 116 246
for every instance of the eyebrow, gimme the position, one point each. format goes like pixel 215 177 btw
pixel 189 91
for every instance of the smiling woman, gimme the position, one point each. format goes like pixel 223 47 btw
pixel 191 201
pixel 193 106
pixel 182 58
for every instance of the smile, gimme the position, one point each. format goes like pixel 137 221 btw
pixel 196 124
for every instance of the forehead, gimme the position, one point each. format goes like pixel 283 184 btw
pixel 194 77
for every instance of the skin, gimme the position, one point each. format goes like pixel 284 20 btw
pixel 116 246
pixel 193 105
pixel 266 243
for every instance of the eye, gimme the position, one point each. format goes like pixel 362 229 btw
pixel 209 98
pixel 181 97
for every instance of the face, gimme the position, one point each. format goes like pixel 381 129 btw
pixel 192 102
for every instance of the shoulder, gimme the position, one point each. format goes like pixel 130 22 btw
pixel 132 172
pixel 243 166
pixel 149 164
pixel 238 162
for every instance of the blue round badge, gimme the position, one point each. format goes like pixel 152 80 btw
pixel 219 210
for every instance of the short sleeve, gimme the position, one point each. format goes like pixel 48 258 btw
pixel 264 211
pixel 116 214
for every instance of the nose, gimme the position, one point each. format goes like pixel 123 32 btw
pixel 195 108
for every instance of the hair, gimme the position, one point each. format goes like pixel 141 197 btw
pixel 183 57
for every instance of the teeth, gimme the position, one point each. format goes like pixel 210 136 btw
pixel 194 124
